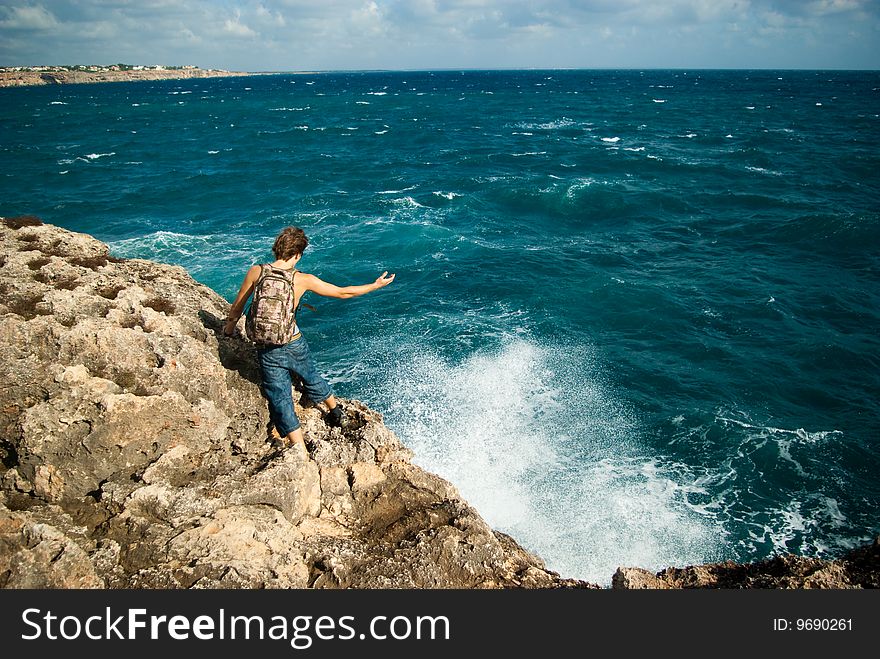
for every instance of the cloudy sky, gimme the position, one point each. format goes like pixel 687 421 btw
pixel 298 35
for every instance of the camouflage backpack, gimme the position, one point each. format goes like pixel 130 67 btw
pixel 271 319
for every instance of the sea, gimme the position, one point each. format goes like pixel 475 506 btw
pixel 636 313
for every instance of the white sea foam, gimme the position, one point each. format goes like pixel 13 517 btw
pixel 799 434
pixel 659 100
pixel 611 140
pixel 689 136
pixel 289 109
pixel 447 195
pixel 380 132
pixel 793 526
pixel 534 440
pixel 565 122
pixel 636 148
pixel 750 107
pixel 377 93
pixel 361 102
pixel 57 103
pixel 407 202
pixel 213 152
pixel 95 156
pixel 762 170
pixel 197 253
pixel 412 187
pixel 529 153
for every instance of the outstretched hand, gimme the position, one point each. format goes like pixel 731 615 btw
pixel 384 280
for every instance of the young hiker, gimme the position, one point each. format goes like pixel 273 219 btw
pixel 279 362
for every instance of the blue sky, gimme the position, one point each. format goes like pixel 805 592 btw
pixel 299 35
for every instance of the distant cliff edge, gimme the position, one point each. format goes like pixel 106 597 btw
pixel 134 455
pixel 27 76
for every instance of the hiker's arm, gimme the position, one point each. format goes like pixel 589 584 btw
pixel 247 287
pixel 312 283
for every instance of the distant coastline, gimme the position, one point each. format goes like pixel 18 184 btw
pixel 23 76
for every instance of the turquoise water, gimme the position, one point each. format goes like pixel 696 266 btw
pixel 636 316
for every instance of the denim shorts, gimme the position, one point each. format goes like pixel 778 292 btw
pixel 278 365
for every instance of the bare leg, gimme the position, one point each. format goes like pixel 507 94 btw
pixel 330 402
pixel 296 440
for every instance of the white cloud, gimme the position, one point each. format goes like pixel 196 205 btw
pixel 235 28
pixel 324 34
pixel 28 17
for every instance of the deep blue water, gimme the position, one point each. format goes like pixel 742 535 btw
pixel 636 318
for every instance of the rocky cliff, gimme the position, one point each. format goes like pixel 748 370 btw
pixel 135 454
pixel 65 77
pixel 134 447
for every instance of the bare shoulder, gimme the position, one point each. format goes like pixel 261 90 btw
pixel 305 279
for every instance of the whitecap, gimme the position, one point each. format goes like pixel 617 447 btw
pixel 762 170
pixel 377 93
pixel 361 102
pixel 528 153
pixel 95 156
pixel 565 122
pixel 659 100
pixel 380 132
pixel 57 103
pixel 412 187
pixel 638 148
pixel 611 140
pixel 447 195
pixel 408 202
pixel 818 105
pixel 213 152
pixel 689 135
pixel 750 107
pixel 729 136
pixel 64 172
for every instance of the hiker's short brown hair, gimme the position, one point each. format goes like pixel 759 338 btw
pixel 290 242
